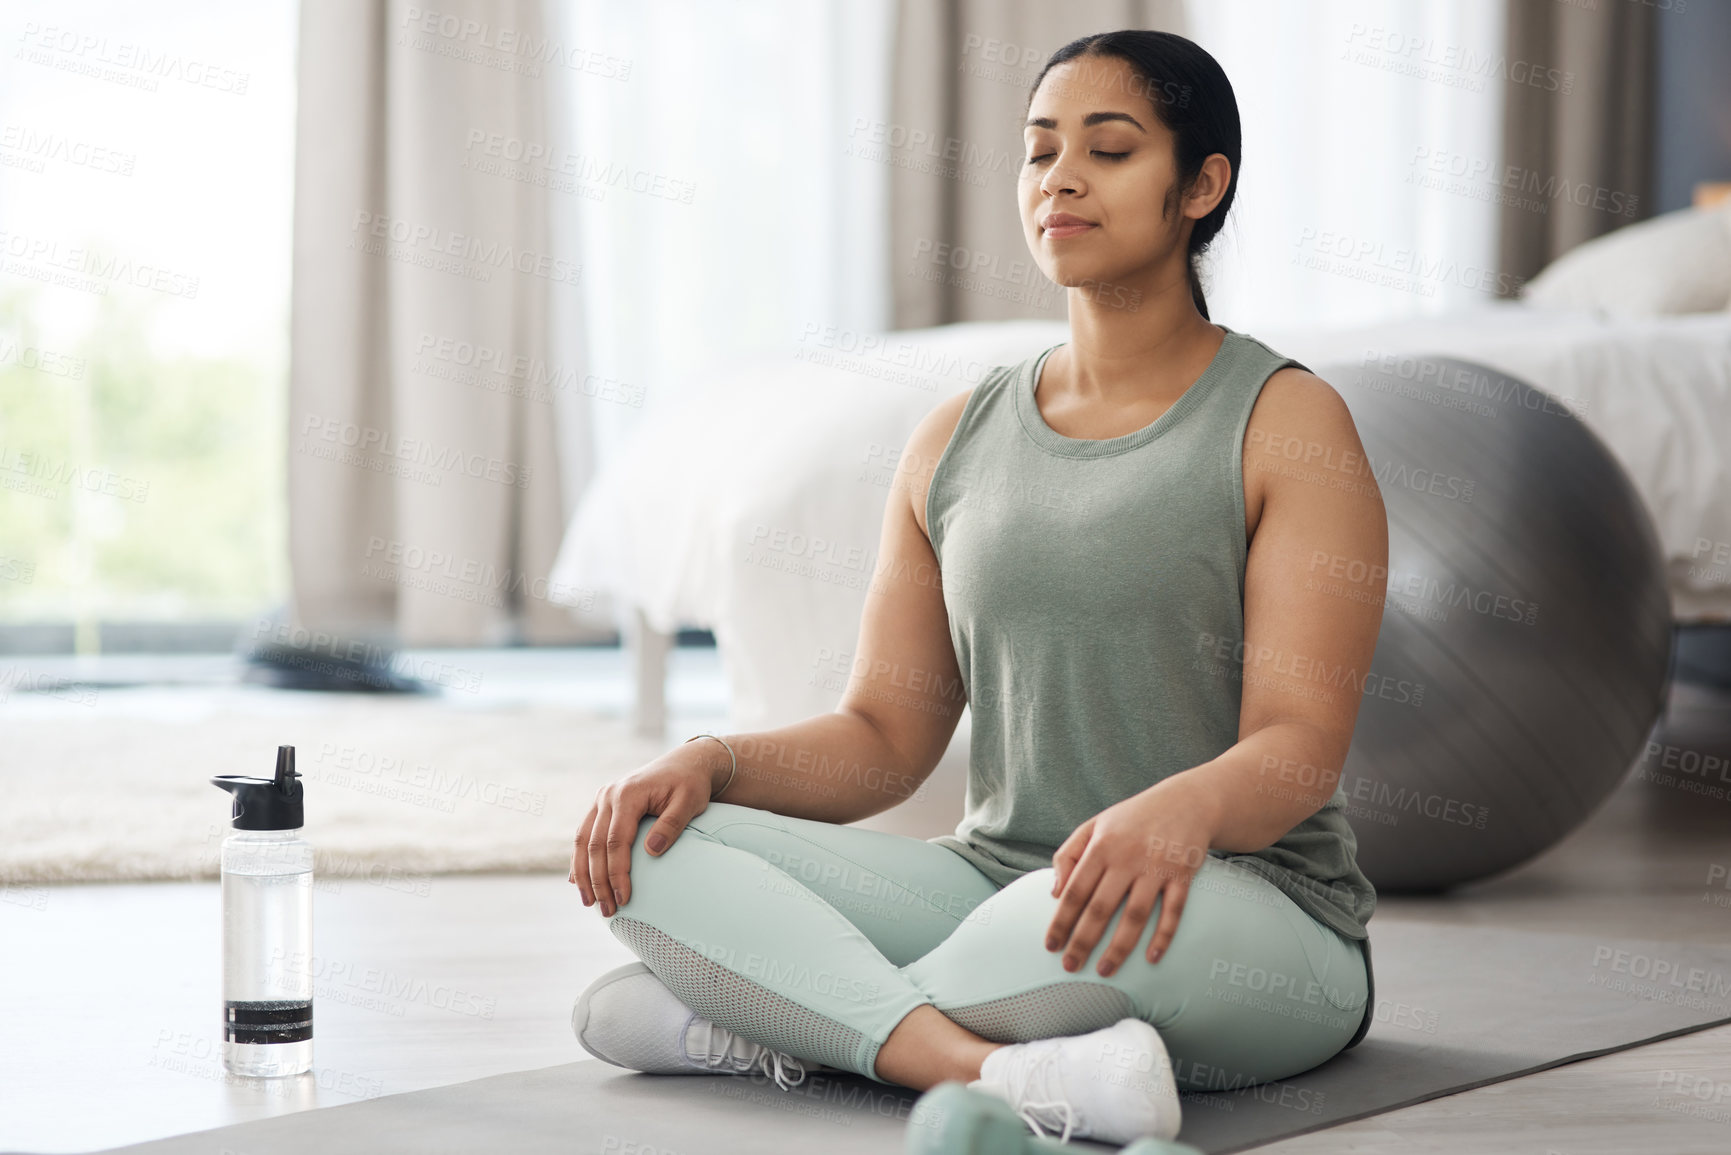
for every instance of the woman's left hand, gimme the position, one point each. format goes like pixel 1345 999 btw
pixel 1148 847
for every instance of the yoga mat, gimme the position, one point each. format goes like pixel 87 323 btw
pixel 1458 1007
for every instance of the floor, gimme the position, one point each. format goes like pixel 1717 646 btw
pixel 108 993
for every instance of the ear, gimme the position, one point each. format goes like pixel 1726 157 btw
pixel 1210 185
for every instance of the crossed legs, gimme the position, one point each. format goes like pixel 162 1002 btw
pixel 894 958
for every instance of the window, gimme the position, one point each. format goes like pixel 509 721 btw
pixel 146 189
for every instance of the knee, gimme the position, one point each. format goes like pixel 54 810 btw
pixel 721 814
pixel 696 830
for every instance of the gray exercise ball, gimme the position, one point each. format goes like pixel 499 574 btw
pixel 1525 647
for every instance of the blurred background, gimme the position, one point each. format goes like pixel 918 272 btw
pixel 704 183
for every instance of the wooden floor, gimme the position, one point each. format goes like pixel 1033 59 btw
pixel 109 1019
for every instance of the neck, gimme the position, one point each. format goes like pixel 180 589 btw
pixel 1132 342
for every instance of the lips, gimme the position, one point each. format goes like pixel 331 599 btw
pixel 1065 225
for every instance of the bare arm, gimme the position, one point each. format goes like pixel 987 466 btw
pixel 1314 585
pixel 885 737
pixel 904 694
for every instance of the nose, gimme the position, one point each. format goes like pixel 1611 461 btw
pixel 1059 178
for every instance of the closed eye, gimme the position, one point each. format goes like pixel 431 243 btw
pixel 1096 152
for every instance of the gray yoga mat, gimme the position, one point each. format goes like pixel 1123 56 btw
pixel 1458 1007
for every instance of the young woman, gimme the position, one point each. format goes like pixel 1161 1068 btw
pixel 1125 555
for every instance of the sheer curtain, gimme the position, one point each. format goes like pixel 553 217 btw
pixel 724 213
pixel 1371 144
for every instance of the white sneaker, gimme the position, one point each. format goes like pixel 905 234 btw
pixel 1114 1084
pixel 629 1018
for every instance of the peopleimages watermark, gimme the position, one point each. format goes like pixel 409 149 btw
pixel 1511 184
pixel 357 765
pixel 1658 979
pixel 35 682
pixel 1686 769
pixel 1367 259
pixel 882 357
pixel 922 150
pixel 37 474
pixel 86 270
pixel 1457 66
pixel 502 47
pixel 445 251
pixel 538 163
pixel 1302 674
pixel 26 148
pixel 977 271
pixel 1468 388
pixel 122 61
pixel 201 1057
pixel 381 451
pixel 1710 561
pixel 335 978
pixel 468 579
pixel 41 360
pixel 466 363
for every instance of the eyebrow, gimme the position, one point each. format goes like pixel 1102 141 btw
pixel 1088 121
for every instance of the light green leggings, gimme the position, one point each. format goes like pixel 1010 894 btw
pixel 817 939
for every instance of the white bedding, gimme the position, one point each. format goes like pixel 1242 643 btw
pixel 754 509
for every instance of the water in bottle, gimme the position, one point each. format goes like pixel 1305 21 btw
pixel 267 926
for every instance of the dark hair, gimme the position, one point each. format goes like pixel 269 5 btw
pixel 1193 99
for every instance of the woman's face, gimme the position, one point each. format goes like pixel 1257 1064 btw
pixel 1095 151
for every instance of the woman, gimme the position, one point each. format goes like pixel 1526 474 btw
pixel 1133 536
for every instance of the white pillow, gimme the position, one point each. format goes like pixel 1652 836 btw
pixel 1677 262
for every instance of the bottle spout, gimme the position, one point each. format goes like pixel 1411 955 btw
pixel 266 803
pixel 285 769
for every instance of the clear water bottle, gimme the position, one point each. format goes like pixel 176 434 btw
pixel 267 926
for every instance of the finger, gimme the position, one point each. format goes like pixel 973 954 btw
pixel 1070 902
pixel 1069 851
pixel 621 833
pixel 1107 894
pixel 1174 896
pixel 1137 908
pixel 580 859
pixel 597 851
pixel 681 808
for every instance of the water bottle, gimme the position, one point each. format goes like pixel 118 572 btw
pixel 267 926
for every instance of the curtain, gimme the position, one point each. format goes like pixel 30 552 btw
pixel 953 141
pixel 1586 128
pixel 429 384
pixel 743 219
pixel 1367 188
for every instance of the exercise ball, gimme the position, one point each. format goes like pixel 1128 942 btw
pixel 1526 629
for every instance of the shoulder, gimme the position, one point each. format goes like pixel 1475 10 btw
pixel 1296 403
pixel 1302 452
pixel 936 429
pixel 919 460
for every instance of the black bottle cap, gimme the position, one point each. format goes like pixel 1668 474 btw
pixel 267 803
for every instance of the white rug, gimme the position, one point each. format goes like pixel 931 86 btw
pixel 397 788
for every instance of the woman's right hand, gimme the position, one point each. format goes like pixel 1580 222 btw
pixel 677 786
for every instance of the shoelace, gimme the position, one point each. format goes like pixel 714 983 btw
pixel 771 1063
pixel 1039 1114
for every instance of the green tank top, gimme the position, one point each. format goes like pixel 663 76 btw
pixel 1090 584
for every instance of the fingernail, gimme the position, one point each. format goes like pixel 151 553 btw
pixel 1051 944
pixel 587 901
pixel 656 842
pixel 618 901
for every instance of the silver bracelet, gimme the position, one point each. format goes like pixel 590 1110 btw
pixel 730 754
